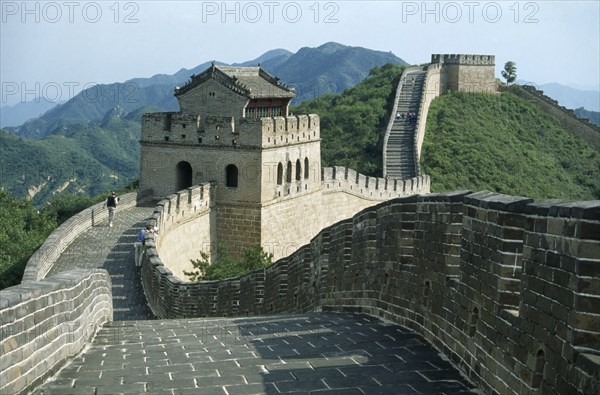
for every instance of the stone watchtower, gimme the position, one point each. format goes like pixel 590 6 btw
pixel 467 73
pixel 234 130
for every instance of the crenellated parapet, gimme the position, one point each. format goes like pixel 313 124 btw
pixel 343 179
pixel 290 130
pixel 472 60
pixel 174 129
pixel 183 206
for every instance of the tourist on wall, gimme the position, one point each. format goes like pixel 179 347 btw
pixel 111 203
pixel 139 243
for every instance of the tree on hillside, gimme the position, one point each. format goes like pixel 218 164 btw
pixel 510 71
pixel 22 230
pixel 226 266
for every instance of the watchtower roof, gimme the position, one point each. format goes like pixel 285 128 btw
pixel 252 82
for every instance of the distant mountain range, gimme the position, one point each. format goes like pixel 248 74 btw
pixel 329 68
pixel 21 112
pixel 585 103
pixel 90 144
pixel 572 98
pixel 569 97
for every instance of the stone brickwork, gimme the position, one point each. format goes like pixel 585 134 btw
pixel 195 223
pixel 238 226
pixel 44 323
pixel 507 288
pixel 468 73
pixel 42 261
pixel 186 227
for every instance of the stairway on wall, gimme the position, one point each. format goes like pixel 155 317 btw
pixel 400 160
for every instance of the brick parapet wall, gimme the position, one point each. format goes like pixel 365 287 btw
pixel 335 179
pixel 472 60
pixel 182 207
pixel 433 87
pixel 44 323
pixel 227 131
pixel 507 288
pixel 42 261
pixel 164 289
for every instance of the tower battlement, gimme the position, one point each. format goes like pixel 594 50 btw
pixel 188 129
pixel 289 130
pixel 463 59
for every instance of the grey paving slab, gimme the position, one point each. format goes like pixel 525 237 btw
pixel 111 248
pixel 252 356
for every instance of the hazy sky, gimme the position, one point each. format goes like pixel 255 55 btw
pixel 55 48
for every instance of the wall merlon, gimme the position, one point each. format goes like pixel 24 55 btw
pixel 463 59
pixel 496 201
pixel 349 181
pixel 293 129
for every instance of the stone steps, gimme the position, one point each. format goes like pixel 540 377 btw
pixel 400 155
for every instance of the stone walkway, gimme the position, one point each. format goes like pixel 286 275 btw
pixel 315 353
pixel 112 249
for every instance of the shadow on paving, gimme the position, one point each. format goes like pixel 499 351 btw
pixel 129 300
pixel 313 353
pixel 335 356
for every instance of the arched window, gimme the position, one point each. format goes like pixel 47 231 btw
pixel 231 176
pixel 298 170
pixel 279 174
pixel 184 175
pixel 305 167
pixel 288 173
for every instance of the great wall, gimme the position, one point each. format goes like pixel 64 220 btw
pixel 506 288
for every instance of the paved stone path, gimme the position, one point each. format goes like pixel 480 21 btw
pixel 112 249
pixel 315 353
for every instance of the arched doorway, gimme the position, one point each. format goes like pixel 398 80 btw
pixel 184 175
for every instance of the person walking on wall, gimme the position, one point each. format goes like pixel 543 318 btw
pixel 139 242
pixel 111 203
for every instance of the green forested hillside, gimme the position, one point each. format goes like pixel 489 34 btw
pixel 498 142
pixel 23 228
pixel 352 123
pixel 80 158
pixel 503 143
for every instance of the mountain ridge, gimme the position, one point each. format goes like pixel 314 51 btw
pixel 341 68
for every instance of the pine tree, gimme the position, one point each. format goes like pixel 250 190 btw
pixel 510 71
